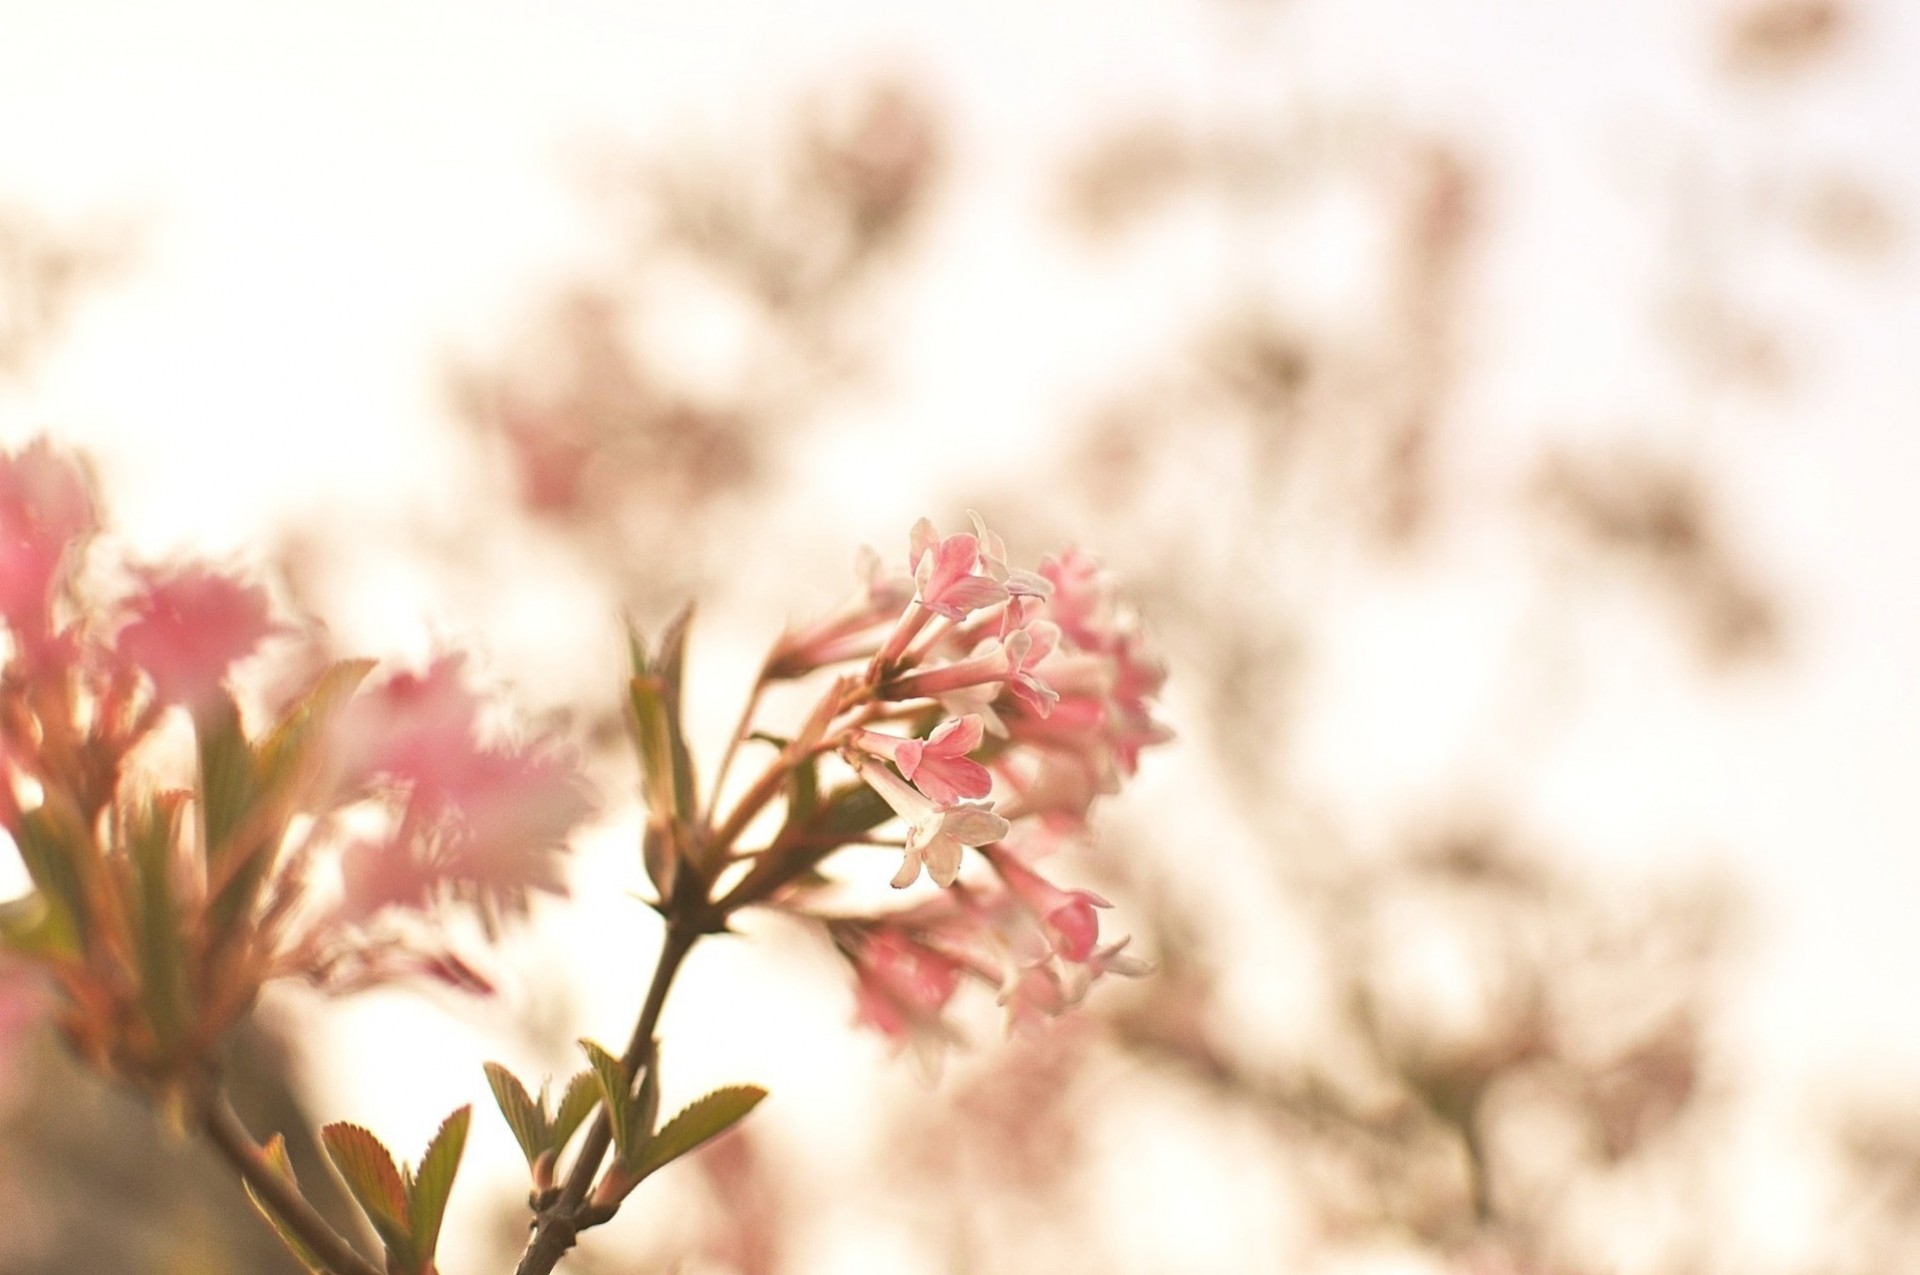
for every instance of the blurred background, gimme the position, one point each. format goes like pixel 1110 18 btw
pixel 1503 414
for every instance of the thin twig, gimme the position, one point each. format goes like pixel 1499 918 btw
pixel 561 1222
pixel 739 737
pixel 223 1128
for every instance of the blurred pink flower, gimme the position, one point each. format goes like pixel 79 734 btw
pixel 46 517
pixel 483 822
pixel 191 624
pixel 902 987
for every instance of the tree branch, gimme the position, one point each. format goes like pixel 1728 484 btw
pixel 560 1223
pixel 224 1130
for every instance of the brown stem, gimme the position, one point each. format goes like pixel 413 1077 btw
pixel 561 1222
pixel 223 1128
pixel 739 737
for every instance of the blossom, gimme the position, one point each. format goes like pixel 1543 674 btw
pixel 944 573
pixel 1067 916
pixel 935 833
pixel 46 515
pixel 850 632
pixel 994 663
pixel 939 765
pixel 993 557
pixel 903 986
pixel 190 625
pixel 480 821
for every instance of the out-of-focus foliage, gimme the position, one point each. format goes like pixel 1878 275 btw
pixel 648 404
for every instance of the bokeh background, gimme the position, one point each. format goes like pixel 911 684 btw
pixel 1503 412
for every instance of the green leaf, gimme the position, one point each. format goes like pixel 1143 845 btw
pixel 55 848
pixel 283 752
pixel 803 791
pixel 276 1154
pixel 150 833
pixel 583 1091
pixel 427 1195
pixel 31 927
pixel 229 782
pixel 616 1092
pixel 527 1120
pixel 849 811
pixel 701 1120
pixel 669 662
pixel 368 1169
pixel 654 699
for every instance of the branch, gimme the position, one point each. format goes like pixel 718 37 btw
pixel 561 1222
pixel 223 1128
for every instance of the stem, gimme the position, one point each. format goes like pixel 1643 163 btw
pixel 559 1224
pixel 223 1128
pixel 739 735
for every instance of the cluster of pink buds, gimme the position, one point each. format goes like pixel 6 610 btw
pixel 995 706
pixel 184 844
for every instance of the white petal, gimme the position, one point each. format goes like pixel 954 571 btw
pixel 973 826
pixel 909 870
pixel 943 860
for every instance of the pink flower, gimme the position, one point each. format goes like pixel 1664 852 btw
pixel 492 845
pixel 481 823
pixel 903 986
pixel 943 573
pixel 935 833
pixel 46 516
pixel 1005 662
pixel 1034 995
pixel 851 632
pixel 191 625
pixel 993 557
pixel 939 765
pixel 1081 603
pixel 1055 786
pixel 1067 916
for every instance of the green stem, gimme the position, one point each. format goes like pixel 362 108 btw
pixel 560 1224
pixel 223 1128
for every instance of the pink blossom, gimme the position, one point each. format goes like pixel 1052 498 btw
pixel 851 632
pixel 993 558
pixel 483 823
pixel 1067 916
pixel 1034 995
pixel 191 625
pixel 944 573
pixel 903 986
pixel 1005 661
pixel 1055 786
pixel 935 833
pixel 939 765
pixel 46 515
pixel 499 841
pixel 1081 603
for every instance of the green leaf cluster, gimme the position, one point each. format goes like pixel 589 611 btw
pixel 666 766
pixel 542 1131
pixel 405 1206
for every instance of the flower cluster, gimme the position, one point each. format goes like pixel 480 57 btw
pixel 996 705
pixel 179 858
pixel 186 840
